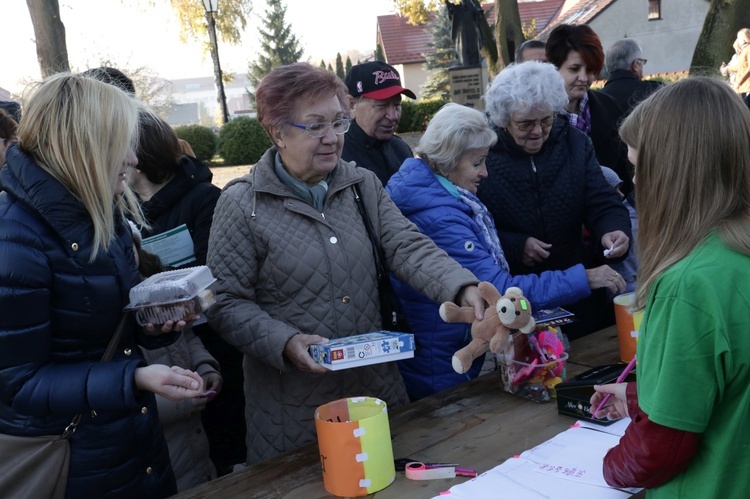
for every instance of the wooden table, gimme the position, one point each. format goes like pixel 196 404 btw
pixel 475 424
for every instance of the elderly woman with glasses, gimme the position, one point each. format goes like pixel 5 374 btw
pixel 544 184
pixel 295 265
pixel 437 191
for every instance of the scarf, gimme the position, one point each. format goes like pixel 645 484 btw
pixel 485 222
pixel 314 196
pixel 582 120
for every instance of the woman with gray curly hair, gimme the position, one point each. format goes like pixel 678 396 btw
pixel 544 183
pixel 437 191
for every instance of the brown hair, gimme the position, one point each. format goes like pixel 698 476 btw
pixel 159 150
pixel 279 91
pixel 8 126
pixel 693 173
pixel 579 38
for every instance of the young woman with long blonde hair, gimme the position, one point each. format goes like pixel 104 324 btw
pixel 690 410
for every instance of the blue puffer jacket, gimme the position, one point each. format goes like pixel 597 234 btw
pixel 59 311
pixel 443 217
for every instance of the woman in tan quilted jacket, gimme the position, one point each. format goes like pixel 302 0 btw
pixel 294 264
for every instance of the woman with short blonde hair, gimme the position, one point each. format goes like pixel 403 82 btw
pixel 437 192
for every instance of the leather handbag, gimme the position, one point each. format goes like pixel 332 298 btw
pixel 391 313
pixel 38 466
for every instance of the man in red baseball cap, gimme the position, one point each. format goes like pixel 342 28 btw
pixel 375 92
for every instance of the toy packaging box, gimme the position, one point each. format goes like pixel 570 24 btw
pixel 363 350
pixel 574 394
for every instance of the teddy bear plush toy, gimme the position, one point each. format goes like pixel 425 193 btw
pixel 505 314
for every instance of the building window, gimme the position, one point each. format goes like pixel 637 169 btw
pixel 654 9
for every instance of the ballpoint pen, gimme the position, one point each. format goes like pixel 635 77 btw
pixel 620 379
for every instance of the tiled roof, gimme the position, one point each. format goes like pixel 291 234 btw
pixel 581 13
pixel 404 43
pixel 543 12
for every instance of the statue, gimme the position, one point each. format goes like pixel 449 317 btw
pixel 466 32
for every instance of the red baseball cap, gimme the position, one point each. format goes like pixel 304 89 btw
pixel 375 80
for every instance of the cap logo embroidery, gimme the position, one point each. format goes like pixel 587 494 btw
pixel 381 76
pixel 359 86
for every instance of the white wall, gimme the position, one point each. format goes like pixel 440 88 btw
pixel 668 44
pixel 412 77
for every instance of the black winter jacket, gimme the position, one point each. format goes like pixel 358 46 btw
pixel 382 157
pixel 624 87
pixel 59 311
pixel 549 196
pixel 606 115
pixel 189 198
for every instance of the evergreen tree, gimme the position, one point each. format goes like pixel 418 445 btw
pixel 340 66
pixel 379 55
pixel 278 44
pixel 322 64
pixel 348 66
pixel 438 62
pixel 330 68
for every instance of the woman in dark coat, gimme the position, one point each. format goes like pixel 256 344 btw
pixel 577 53
pixel 175 189
pixel 544 184
pixel 66 267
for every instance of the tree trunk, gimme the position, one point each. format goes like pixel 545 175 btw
pixel 49 31
pixel 221 98
pixel 508 32
pixel 723 20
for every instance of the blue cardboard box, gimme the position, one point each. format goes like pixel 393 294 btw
pixel 364 349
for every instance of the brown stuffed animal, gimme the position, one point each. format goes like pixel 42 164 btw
pixel 504 315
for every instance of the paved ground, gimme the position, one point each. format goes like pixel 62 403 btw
pixel 223 174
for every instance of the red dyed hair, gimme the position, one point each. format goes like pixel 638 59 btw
pixel 575 37
pixel 280 90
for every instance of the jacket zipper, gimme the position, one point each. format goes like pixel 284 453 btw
pixel 538 198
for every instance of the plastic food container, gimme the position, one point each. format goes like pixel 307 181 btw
pixel 173 295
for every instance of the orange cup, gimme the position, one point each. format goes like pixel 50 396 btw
pixel 627 329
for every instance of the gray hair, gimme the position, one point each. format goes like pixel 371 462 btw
pixel 528 44
pixel 522 88
pixel 452 132
pixel 622 54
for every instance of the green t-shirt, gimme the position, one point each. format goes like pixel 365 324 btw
pixel 694 368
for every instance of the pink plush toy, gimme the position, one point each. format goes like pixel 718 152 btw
pixel 504 315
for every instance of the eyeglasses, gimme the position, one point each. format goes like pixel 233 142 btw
pixel 318 130
pixel 642 61
pixel 527 126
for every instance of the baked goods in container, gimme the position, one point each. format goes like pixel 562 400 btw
pixel 173 295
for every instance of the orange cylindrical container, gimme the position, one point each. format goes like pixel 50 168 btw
pixel 354 439
pixel 627 330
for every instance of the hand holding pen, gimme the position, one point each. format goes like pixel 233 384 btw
pixel 601 400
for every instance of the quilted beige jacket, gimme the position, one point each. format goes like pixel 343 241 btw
pixel 183 429
pixel 282 268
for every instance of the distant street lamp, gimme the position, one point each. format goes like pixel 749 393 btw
pixel 212 6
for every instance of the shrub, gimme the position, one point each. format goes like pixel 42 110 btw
pixel 243 141
pixel 416 115
pixel 408 113
pixel 202 139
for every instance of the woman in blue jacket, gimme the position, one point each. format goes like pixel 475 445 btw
pixel 437 191
pixel 66 267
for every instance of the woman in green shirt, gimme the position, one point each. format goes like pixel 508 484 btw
pixel 690 410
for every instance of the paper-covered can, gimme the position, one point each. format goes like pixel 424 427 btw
pixel 354 439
